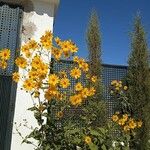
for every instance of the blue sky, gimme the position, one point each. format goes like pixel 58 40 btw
pixel 116 21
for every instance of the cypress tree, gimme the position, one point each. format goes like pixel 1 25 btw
pixel 93 38
pixel 138 79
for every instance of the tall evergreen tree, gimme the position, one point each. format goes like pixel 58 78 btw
pixel 94 47
pixel 138 79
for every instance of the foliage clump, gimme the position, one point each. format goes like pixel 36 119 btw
pixel 138 79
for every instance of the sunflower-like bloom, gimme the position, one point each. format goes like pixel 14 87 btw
pixel 64 82
pixel 5 54
pixel 88 139
pixel 53 79
pixel 16 76
pixel 75 73
pixel 21 62
pixel 76 100
pixel 78 86
pixel 28 85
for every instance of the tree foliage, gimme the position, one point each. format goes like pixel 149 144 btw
pixel 138 79
pixel 95 63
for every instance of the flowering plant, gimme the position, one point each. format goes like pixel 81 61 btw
pixel 118 91
pixel 55 97
pixel 50 91
pixel 127 126
pixel 4 57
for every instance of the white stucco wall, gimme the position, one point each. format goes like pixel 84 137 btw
pixel 42 17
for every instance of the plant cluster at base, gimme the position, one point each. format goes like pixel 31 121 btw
pixel 118 91
pixel 126 122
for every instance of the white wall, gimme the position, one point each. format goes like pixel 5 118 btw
pixel 42 17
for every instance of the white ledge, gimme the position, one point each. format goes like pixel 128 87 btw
pixel 28 5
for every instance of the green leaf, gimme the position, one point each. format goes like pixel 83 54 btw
pixel 92 146
pixel 94 132
pixel 103 147
pixel 45 114
pixel 33 108
pixel 47 147
pixel 77 140
pixel 103 131
pixel 26 141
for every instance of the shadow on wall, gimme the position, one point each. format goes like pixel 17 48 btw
pixel 32 5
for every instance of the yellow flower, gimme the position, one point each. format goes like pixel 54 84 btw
pixel 92 91
pixel 62 74
pixel 94 79
pixel 132 124
pixel 33 74
pixel 120 82
pixel 121 122
pixel 115 118
pixel 113 82
pixel 57 40
pixel 28 85
pixel 81 61
pixel 53 79
pixel 28 54
pixel 59 96
pixel 3 64
pixel 36 94
pixel 46 40
pixel 42 70
pixel 25 48
pixel 48 34
pixel 75 73
pixel 126 128
pixel 16 76
pixel 56 53
pixel 125 88
pixel 85 67
pixel 21 62
pixel 117 88
pixel 139 124
pixel 66 45
pixel 87 140
pixel 73 48
pixel 36 61
pixel 120 85
pixel 75 58
pixel 60 114
pixel 125 117
pixel 48 96
pixel 51 93
pixel 85 93
pixel 78 86
pixel 66 54
pixel 117 84
pixel 33 44
pixel 38 84
pixel 53 90
pixel 64 82
pixel 5 54
pixel 76 100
